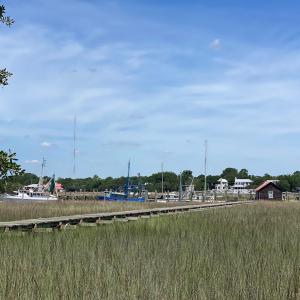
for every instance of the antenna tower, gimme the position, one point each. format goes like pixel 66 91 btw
pixel 74 147
pixel 205 169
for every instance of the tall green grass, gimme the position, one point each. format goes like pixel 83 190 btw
pixel 248 252
pixel 10 211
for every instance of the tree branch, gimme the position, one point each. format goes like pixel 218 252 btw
pixel 4 19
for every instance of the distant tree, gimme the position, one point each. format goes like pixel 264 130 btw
pixel 257 181
pixel 243 174
pixel 16 182
pixel 4 74
pixel 170 181
pixel 199 183
pixel 186 176
pixel 230 174
pixel 211 181
pixel 284 184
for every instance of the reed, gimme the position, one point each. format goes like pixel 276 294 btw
pixel 249 252
pixel 10 211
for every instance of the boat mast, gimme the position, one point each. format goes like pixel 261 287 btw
pixel 162 179
pixel 127 181
pixel 180 186
pixel 140 188
pixel 40 184
pixel 205 169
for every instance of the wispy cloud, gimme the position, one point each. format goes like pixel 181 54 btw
pixel 46 144
pixel 32 161
pixel 215 44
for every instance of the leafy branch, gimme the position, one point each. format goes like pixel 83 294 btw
pixel 8 165
pixel 5 19
pixel 4 74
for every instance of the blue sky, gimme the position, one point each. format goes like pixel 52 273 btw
pixel 150 81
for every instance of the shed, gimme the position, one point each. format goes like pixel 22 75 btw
pixel 269 190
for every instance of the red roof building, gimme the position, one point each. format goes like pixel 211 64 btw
pixel 59 187
pixel 269 190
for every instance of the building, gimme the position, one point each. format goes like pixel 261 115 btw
pixel 241 185
pixel 269 190
pixel 59 187
pixel 222 185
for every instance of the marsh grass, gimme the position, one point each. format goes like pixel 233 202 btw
pixel 10 211
pixel 248 252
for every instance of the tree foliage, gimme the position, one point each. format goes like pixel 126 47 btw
pixel 152 183
pixel 4 74
pixel 16 182
pixel 5 19
pixel 8 165
pixel 243 174
pixel 230 174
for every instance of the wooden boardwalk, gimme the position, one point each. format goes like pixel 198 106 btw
pixel 66 222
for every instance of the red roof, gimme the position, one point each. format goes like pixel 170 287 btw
pixel 264 184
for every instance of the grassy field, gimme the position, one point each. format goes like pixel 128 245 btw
pixel 19 211
pixel 249 252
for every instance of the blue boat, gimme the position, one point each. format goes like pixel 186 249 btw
pixel 121 197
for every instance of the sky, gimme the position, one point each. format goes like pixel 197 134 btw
pixel 150 81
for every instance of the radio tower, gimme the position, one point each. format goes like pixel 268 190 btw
pixel 74 148
pixel 205 169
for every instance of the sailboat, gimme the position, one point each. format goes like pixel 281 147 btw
pixel 117 196
pixel 35 192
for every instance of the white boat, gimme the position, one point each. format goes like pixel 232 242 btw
pixel 23 195
pixel 33 192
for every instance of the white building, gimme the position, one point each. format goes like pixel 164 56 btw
pixel 222 185
pixel 241 185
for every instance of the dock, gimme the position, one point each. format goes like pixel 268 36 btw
pixel 71 222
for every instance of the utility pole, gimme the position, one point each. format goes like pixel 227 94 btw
pixel 205 169
pixel 162 179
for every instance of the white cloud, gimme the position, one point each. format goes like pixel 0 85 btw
pixel 215 44
pixel 32 161
pixel 46 144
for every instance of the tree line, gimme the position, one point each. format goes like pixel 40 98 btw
pixel 153 182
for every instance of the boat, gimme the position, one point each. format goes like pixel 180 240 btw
pixel 117 196
pixel 29 195
pixel 126 196
pixel 34 192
